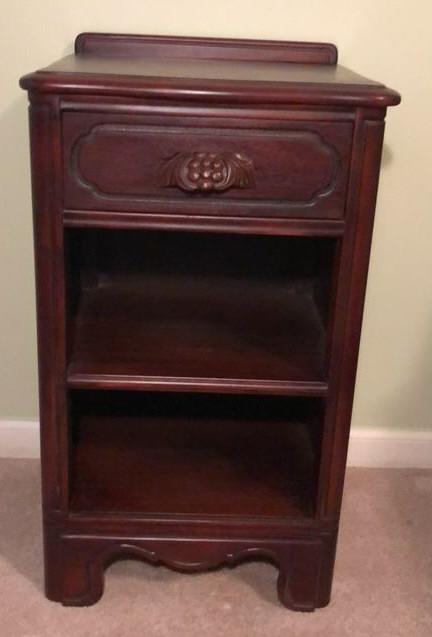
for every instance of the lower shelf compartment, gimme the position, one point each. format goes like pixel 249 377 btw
pixel 193 454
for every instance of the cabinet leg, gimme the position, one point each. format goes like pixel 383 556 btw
pixel 305 574
pixel 74 575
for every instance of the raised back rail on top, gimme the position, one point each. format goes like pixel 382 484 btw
pixel 122 45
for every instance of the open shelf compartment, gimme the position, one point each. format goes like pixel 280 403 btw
pixel 198 311
pixel 193 454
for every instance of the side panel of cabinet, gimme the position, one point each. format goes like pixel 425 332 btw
pixel 349 303
pixel 48 242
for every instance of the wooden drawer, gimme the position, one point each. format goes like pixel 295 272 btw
pixel 206 166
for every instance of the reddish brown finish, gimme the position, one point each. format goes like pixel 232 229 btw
pixel 170 333
pixel 77 578
pixel 48 240
pixel 244 302
pixel 350 299
pixel 203 77
pixel 275 155
pixel 216 455
pixel 205 223
pixel 206 172
pixel 232 313
pixel 156 46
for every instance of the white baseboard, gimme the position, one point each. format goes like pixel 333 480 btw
pixel 19 439
pixel 384 448
pixel 368 447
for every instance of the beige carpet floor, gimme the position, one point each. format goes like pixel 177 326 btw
pixel 383 579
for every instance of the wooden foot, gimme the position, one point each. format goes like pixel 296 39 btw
pixel 298 576
pixel 73 574
pixel 305 574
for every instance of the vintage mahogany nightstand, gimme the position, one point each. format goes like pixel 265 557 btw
pixel 203 212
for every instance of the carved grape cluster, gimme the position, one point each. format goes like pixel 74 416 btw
pixel 206 170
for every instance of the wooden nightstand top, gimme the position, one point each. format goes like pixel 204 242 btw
pixel 211 69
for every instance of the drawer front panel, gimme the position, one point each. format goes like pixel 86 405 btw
pixel 137 163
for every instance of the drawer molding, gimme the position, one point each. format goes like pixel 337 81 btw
pixel 268 162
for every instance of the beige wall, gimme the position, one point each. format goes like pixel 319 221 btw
pixel 388 40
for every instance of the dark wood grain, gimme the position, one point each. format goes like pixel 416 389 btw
pixel 350 299
pixel 173 456
pixel 50 297
pixel 194 330
pixel 198 350
pixel 204 223
pixel 199 74
pixel 123 163
pixel 201 310
pixel 154 46
pixel 305 565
